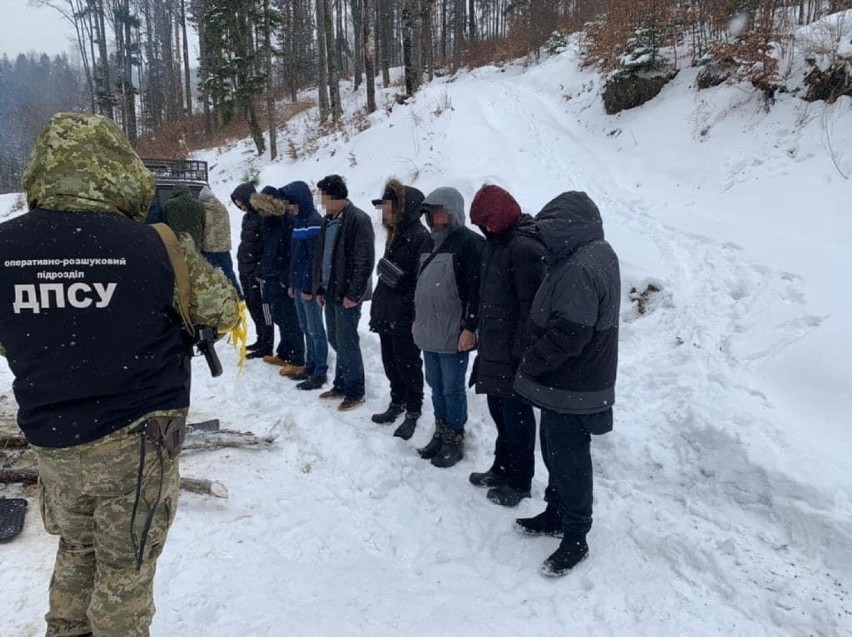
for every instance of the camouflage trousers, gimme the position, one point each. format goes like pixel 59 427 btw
pixel 87 499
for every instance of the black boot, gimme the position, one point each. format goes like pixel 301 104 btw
pixel 406 429
pixel 257 353
pixel 314 382
pixel 389 415
pixel 253 346
pixel 506 496
pixel 548 522
pixel 571 552
pixel 490 478
pixel 452 449
pixel 431 450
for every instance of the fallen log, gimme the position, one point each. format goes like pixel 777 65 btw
pixel 8 441
pixel 224 438
pixel 195 485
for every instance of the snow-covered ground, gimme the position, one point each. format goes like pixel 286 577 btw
pixel 724 495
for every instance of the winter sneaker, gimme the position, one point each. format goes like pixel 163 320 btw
pixel 488 479
pixel 406 429
pixel 274 360
pixel 349 404
pixel 431 450
pixel 332 394
pixel 506 496
pixel 257 354
pixel 314 382
pixel 289 370
pixel 389 415
pixel 452 449
pixel 571 552
pixel 548 522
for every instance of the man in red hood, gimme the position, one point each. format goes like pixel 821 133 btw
pixel 512 270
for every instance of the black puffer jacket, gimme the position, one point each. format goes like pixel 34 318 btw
pixel 571 360
pixel 512 270
pixel 392 310
pixel 251 242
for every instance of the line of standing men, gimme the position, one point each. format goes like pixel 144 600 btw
pixel 539 299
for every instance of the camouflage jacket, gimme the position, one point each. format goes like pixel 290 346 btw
pixel 217 226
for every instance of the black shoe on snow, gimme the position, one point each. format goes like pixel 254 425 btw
pixel 301 376
pixel 406 429
pixel 257 354
pixel 488 479
pixel 547 523
pixel 506 496
pixel 314 382
pixel 451 451
pixel 253 346
pixel 349 404
pixel 431 450
pixel 332 394
pixel 389 415
pixel 571 552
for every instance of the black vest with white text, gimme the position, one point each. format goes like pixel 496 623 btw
pixel 88 326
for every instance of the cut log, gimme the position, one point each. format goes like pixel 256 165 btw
pixel 22 476
pixel 10 441
pixel 224 438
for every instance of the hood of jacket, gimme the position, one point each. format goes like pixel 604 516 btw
pixel 450 200
pixel 268 202
pixel 494 208
pixel 567 222
pixel 407 206
pixel 299 193
pixel 243 193
pixel 83 162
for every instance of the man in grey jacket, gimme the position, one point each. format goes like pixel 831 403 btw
pixel 446 307
pixel 569 367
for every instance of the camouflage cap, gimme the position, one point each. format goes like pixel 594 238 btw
pixel 84 162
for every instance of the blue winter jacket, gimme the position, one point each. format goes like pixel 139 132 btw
pixel 306 231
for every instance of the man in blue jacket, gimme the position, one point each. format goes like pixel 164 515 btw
pixel 277 234
pixel 299 202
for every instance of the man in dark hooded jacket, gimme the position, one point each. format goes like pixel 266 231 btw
pixel 569 367
pixel 512 271
pixel 299 202
pixel 277 235
pixel 248 263
pixel 392 310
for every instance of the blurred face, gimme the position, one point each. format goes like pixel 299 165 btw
pixel 439 218
pixel 291 208
pixel 387 213
pixel 239 204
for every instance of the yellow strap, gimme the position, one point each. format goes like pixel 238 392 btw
pixel 180 269
pixel 238 335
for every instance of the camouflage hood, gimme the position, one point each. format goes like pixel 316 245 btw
pixel 83 162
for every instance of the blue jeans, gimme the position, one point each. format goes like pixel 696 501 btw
pixel 342 325
pixel 445 374
pixel 291 348
pixel 310 320
pixel 222 260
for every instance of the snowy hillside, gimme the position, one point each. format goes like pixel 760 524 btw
pixel 724 495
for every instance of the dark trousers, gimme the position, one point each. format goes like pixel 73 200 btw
pixel 565 442
pixel 222 260
pixel 310 320
pixel 514 452
pixel 342 328
pixel 404 370
pixel 291 347
pixel 262 323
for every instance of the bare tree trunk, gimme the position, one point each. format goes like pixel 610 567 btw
pixel 410 46
pixel 333 70
pixel 471 20
pixel 358 19
pixel 187 75
pixel 270 98
pixel 322 61
pixel 369 65
pixel 127 83
pixel 428 38
pixel 458 33
pixel 383 22
pixel 106 97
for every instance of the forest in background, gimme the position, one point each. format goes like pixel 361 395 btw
pixel 179 74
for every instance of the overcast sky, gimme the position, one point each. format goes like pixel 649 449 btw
pixel 24 29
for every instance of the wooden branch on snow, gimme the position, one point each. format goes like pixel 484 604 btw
pixel 12 442
pixel 195 485
pixel 225 438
